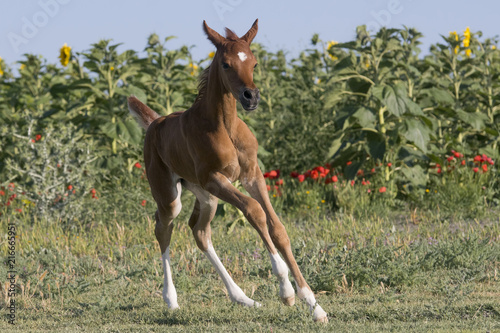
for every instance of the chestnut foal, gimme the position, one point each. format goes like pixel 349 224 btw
pixel 207 148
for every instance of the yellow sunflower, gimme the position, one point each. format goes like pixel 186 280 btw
pixel 329 46
pixel 193 68
pixel 467 36
pixel 65 54
pixel 454 34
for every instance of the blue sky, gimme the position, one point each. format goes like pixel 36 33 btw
pixel 43 26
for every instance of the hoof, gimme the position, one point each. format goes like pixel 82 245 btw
pixel 319 315
pixel 289 301
pixel 246 301
pixel 322 320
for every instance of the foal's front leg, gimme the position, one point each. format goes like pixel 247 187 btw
pixel 255 184
pixel 261 216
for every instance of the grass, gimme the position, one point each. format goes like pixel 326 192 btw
pixel 378 272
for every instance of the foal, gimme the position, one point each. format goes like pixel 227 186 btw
pixel 205 149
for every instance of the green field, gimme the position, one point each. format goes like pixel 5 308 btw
pixel 378 273
pixel 381 162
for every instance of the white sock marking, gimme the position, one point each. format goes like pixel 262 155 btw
pixel 235 293
pixel 316 310
pixel 169 293
pixel 242 56
pixel 281 271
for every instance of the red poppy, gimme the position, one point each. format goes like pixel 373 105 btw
pixel 294 174
pixel 463 162
pixel 320 169
pixel 476 169
pixel 335 179
pixel 143 203
pixel 478 159
pixel 363 182
pixel 382 189
pixel 352 182
pixel 349 163
pixel 70 187
pixel 38 137
pixel 2 193
pixel 457 155
pixel 92 191
pixel 389 164
pixel 138 165
pixel 301 178
pixel 439 170
pixel 314 174
pixel 450 158
pixel 360 173
pixel 272 174
pixel 372 170
pixel 485 167
pixel 33 140
pixel 279 182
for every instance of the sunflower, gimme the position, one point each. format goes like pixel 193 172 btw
pixel 65 55
pixel 329 46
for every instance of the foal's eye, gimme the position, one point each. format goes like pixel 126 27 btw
pixel 255 65
pixel 225 65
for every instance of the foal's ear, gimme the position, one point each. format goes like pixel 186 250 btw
pixel 250 35
pixel 213 35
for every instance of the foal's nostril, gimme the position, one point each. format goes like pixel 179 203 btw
pixel 247 94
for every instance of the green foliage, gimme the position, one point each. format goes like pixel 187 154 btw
pixel 368 102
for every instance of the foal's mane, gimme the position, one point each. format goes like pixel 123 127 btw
pixel 203 79
pixel 202 84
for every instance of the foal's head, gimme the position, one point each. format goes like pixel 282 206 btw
pixel 235 64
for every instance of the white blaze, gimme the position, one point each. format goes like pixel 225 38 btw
pixel 242 56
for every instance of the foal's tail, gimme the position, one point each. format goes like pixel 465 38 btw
pixel 142 113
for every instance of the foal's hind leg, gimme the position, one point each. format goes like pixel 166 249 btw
pixel 203 213
pixel 168 209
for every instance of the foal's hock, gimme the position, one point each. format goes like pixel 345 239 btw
pixel 205 149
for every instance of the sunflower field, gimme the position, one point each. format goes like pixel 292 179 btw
pixel 359 119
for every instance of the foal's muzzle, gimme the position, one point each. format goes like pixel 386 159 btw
pixel 249 99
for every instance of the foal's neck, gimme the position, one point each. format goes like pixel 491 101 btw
pixel 218 103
